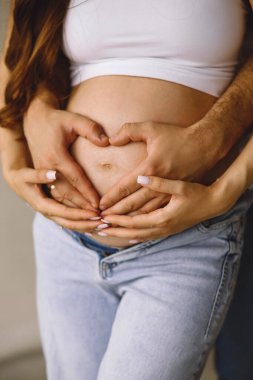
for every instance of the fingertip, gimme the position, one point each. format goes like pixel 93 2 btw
pixel 119 140
pixel 143 180
pixel 103 139
pixel 51 175
pixel 113 138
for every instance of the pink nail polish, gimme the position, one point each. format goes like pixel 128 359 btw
pixel 102 226
pixel 102 234
pixel 105 221
pixel 143 180
pixel 51 175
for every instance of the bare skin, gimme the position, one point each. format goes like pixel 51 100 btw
pixel 113 100
pixel 179 214
pixel 214 133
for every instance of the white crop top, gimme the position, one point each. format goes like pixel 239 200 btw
pixel 195 43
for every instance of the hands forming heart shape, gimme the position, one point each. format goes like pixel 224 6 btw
pixel 172 152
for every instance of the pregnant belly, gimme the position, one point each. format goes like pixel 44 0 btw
pixel 115 100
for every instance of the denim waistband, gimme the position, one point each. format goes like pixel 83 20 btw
pixel 241 206
pixel 94 244
pixel 107 250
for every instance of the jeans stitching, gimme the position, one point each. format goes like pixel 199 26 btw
pixel 224 277
pixel 217 301
pixel 217 225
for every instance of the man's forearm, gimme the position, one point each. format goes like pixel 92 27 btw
pixel 232 114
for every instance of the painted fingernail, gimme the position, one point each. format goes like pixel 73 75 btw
pixel 102 226
pixel 143 180
pixel 102 234
pixel 133 241
pixel 88 234
pixel 95 218
pixel 51 175
pixel 105 221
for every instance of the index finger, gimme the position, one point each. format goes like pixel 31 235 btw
pixel 126 186
pixel 150 220
pixel 77 178
pixel 51 208
pixel 130 132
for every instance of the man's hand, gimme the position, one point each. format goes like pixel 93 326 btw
pixel 187 153
pixel 49 133
pixel 172 152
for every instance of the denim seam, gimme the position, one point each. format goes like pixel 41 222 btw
pixel 222 282
pixel 231 252
pixel 224 273
pixel 124 255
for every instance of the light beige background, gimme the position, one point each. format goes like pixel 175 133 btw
pixel 20 357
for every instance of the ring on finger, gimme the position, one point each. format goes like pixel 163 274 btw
pixel 51 187
pixel 48 189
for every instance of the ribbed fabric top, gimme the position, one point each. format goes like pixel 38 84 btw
pixel 195 43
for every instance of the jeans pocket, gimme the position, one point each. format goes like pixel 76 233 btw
pixel 219 222
pixel 232 215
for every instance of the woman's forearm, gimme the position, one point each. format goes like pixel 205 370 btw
pixel 13 150
pixel 237 178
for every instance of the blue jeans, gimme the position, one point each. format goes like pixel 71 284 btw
pixel 234 350
pixel 150 311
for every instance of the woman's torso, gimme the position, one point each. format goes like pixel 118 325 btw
pixel 113 100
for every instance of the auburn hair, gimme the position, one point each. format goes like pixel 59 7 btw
pixel 34 57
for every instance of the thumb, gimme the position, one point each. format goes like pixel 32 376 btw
pixel 38 176
pixel 163 185
pixel 89 129
pixel 129 132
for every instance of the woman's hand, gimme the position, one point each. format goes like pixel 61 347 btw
pixel 143 200
pixel 190 204
pixel 172 152
pixel 26 183
pixel 49 133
